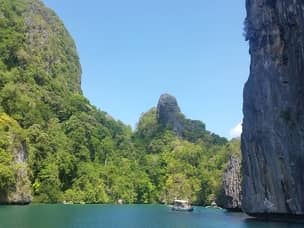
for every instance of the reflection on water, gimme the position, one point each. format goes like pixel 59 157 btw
pixel 253 223
pixel 126 216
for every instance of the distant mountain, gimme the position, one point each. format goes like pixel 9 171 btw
pixel 168 116
pixel 182 158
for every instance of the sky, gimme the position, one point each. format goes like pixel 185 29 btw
pixel 132 51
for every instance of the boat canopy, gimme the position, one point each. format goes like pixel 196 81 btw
pixel 181 201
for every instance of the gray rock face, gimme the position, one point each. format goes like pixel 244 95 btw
pixel 170 117
pixel 169 114
pixel 21 192
pixel 273 126
pixel 230 197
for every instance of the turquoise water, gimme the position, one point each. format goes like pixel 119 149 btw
pixel 125 216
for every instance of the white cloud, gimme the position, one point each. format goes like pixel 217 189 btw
pixel 236 131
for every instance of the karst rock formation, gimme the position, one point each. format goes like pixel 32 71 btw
pixel 273 126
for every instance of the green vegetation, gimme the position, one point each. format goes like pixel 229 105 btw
pixel 75 152
pixel 10 137
pixel 180 168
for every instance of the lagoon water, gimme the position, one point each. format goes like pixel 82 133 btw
pixel 125 216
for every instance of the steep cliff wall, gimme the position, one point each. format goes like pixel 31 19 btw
pixel 15 186
pixel 230 197
pixel 21 192
pixel 273 126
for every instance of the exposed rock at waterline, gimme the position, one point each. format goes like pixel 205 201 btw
pixel 230 197
pixel 21 192
pixel 15 187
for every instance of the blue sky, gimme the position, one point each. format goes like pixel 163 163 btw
pixel 132 51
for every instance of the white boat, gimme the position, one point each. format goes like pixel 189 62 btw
pixel 213 205
pixel 182 205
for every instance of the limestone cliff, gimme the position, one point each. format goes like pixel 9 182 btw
pixel 230 196
pixel 21 192
pixel 15 186
pixel 273 126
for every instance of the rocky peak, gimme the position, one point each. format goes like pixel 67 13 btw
pixel 169 114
